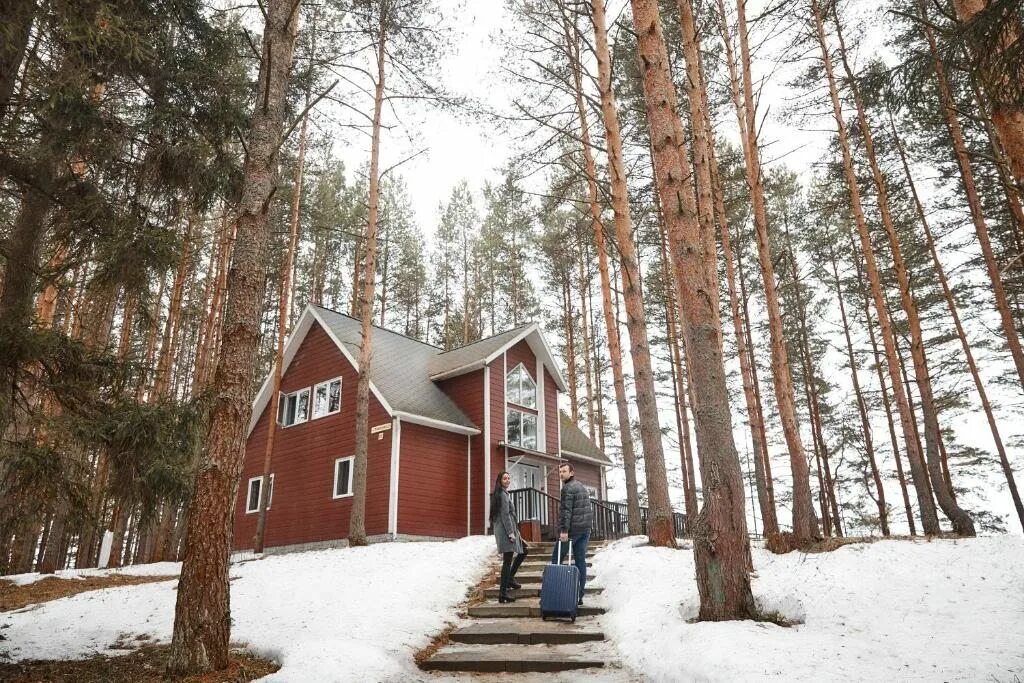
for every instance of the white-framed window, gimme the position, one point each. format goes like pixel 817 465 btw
pixel 293 408
pixel 520 387
pixel 591 491
pixel 327 398
pixel 252 499
pixel 343 471
pixel 521 429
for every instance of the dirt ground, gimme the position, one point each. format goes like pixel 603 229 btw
pixel 144 665
pixel 14 597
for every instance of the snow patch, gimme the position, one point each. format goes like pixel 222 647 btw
pixel 939 610
pixel 330 615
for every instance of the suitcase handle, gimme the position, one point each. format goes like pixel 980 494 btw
pixel 559 546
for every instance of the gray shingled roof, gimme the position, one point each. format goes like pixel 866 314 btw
pixel 473 353
pixel 575 441
pixel 393 357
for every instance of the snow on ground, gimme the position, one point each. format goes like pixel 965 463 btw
pixel 892 610
pixel 331 615
pixel 154 569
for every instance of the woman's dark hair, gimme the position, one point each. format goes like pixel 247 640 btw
pixel 496 496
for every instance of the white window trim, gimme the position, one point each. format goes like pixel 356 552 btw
pixel 535 393
pixel 351 476
pixel 312 398
pixel 309 406
pixel 248 494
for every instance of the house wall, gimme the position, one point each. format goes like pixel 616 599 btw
pixel 467 391
pixel 431 482
pixel 303 509
pixel 550 414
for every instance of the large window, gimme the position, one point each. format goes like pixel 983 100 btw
pixel 327 398
pixel 252 501
pixel 520 387
pixel 521 429
pixel 294 408
pixel 343 477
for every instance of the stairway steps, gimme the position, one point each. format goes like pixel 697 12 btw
pixel 509 658
pixel 533 592
pixel 540 564
pixel 524 632
pixel 527 607
pixel 535 577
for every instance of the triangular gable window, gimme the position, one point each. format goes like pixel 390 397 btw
pixel 520 388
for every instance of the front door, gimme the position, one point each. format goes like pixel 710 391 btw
pixel 526 476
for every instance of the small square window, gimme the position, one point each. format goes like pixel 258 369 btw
pixel 294 408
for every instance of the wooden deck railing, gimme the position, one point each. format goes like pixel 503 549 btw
pixel 610 519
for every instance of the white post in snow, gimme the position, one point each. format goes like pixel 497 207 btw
pixel 108 541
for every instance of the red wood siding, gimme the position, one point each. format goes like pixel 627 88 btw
pixel 497 418
pixel 303 509
pixel 432 482
pixel 522 353
pixel 550 414
pixel 588 474
pixel 467 391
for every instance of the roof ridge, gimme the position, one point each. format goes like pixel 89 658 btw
pixel 493 336
pixel 378 327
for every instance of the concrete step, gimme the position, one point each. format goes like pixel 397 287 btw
pixel 527 607
pixel 524 632
pixel 534 592
pixel 541 563
pixel 509 658
pixel 535 577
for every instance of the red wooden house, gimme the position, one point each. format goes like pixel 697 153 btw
pixel 442 425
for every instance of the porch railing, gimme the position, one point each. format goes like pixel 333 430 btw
pixel 610 519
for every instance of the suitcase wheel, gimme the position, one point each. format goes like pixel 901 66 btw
pixel 574 620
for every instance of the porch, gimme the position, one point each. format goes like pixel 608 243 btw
pixel 610 519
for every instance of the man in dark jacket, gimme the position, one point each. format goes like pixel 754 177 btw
pixel 575 519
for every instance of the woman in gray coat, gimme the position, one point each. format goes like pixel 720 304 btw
pixel 505 525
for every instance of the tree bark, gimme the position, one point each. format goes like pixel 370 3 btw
pixel 962 522
pixel 721 546
pixel 16 17
pixel 862 410
pixel 202 620
pixel 357 521
pixel 284 300
pixel 929 517
pixel 947 292
pixel 1007 116
pixel 660 526
pixel 805 524
pixel 967 175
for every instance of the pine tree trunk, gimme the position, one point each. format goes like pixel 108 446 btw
pixel 570 349
pixel 929 517
pixel 721 546
pixel 1008 117
pixel 886 404
pixel 769 484
pixel 678 390
pixel 947 292
pixel 357 521
pixel 202 620
pixel 967 175
pixel 962 522
pixel 16 17
pixel 620 206
pixel 171 325
pixel 862 410
pixel 660 525
pixel 585 334
pixel 805 524
pixel 769 520
pixel 284 300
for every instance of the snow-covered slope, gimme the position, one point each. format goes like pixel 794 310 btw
pixel 893 610
pixel 333 615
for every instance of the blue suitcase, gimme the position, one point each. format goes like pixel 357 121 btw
pixel 560 590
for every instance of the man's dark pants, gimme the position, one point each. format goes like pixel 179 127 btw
pixel 579 555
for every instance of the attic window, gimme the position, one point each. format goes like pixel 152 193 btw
pixel 293 408
pixel 327 398
pixel 520 387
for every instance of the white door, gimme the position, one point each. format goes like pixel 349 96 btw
pixel 525 476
